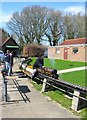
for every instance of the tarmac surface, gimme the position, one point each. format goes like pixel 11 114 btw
pixel 25 102
pixel 72 69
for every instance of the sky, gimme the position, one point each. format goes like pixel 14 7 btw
pixel 8 7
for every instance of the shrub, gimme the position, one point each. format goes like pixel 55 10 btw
pixel 33 50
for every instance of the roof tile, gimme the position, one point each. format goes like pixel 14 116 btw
pixel 75 41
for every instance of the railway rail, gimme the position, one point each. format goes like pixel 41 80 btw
pixel 64 83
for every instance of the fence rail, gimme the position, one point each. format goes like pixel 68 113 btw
pixel 65 84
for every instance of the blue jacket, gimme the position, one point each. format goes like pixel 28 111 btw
pixel 7 58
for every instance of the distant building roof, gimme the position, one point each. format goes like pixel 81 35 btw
pixel 74 41
pixel 4 41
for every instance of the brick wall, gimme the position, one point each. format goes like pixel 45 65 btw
pixel 80 56
pixel 52 53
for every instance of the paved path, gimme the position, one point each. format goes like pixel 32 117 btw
pixel 29 103
pixel 72 69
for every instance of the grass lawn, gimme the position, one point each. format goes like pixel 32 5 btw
pixel 77 77
pixel 60 64
pixel 60 98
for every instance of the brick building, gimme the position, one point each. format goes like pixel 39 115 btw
pixel 72 49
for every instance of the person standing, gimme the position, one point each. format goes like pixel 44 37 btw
pixel 7 62
pixel 11 60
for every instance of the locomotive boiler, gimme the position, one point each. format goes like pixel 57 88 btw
pixel 48 72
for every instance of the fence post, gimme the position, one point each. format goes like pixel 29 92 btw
pixel 44 85
pixel 77 102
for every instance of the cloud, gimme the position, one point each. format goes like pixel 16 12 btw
pixel 75 9
pixel 5 17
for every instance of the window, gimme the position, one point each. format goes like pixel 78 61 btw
pixel 57 50
pixel 75 50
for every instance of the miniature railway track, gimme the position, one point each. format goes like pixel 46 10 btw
pixel 64 83
pixel 47 73
pixel 57 82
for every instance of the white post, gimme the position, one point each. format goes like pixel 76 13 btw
pixel 77 102
pixel 44 85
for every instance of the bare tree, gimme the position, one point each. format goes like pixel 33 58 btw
pixel 27 28
pixel 35 24
pixel 54 30
pixel 79 27
pixel 30 24
pixel 20 24
pixel 73 26
pixel 40 22
pixel 15 24
pixel 68 26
